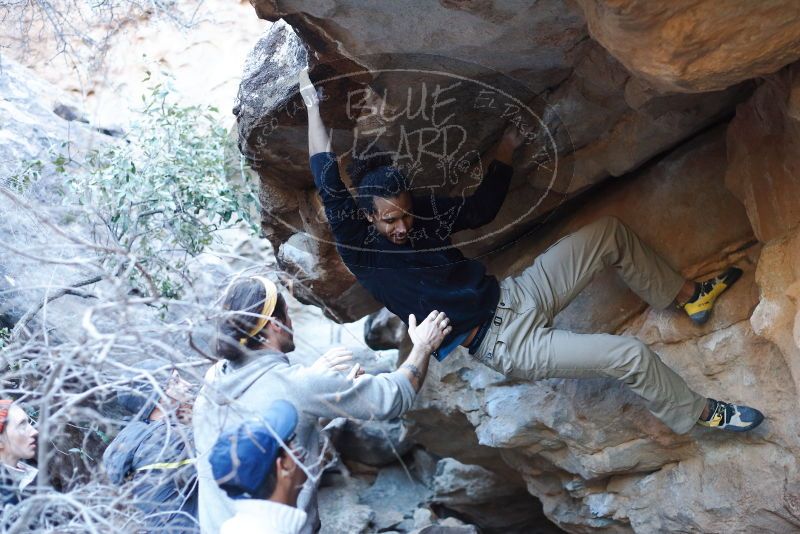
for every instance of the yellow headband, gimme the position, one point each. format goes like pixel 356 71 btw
pixel 270 301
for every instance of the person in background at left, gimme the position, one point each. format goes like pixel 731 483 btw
pixel 155 451
pixel 17 443
pixel 258 465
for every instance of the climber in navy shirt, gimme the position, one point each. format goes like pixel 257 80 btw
pixel 398 247
pixel 387 262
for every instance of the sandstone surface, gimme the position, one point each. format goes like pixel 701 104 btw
pixel 590 117
pixel 680 119
pixel 689 46
pixel 764 154
pixel 587 448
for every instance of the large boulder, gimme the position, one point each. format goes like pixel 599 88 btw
pixel 764 154
pixel 533 40
pixel 588 448
pixel 690 46
pixel 273 138
pixel 626 89
pixel 588 118
pixel 763 165
pixel 39 121
pixel 777 316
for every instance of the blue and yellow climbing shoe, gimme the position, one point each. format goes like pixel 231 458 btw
pixel 705 293
pixel 731 417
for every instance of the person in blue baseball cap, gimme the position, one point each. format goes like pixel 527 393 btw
pixel 257 465
pixel 254 335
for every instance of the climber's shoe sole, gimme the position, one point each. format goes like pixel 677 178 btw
pixel 699 309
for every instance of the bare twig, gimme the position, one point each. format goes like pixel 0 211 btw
pixel 70 290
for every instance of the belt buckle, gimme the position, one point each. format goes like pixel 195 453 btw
pixel 497 321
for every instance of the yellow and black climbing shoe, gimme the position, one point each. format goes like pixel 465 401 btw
pixel 731 417
pixel 705 293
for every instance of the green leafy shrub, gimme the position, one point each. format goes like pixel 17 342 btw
pixel 163 192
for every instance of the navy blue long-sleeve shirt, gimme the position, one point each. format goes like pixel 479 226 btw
pixel 426 273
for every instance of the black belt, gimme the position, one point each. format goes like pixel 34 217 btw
pixel 479 335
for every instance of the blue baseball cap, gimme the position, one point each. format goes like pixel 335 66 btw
pixel 242 458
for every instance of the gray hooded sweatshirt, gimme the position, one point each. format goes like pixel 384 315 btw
pixel 232 394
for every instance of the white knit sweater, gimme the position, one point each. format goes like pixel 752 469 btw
pixel 264 517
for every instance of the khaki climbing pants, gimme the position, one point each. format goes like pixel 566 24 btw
pixel 522 344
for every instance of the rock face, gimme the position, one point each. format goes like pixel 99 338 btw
pixel 692 47
pixel 764 154
pixel 32 134
pixel 698 124
pixel 489 500
pixel 777 316
pixel 588 449
pixel 140 48
pixel 533 63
